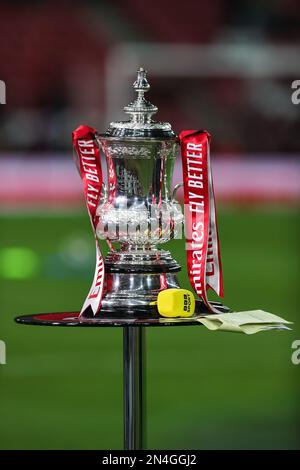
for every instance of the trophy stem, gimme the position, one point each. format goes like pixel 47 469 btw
pixel 125 247
pixel 134 387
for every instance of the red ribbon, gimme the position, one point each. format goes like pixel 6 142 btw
pixel 89 166
pixel 202 241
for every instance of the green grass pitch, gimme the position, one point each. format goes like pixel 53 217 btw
pixel 62 388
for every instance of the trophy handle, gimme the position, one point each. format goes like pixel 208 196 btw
pixel 176 187
pixel 104 192
pixel 104 187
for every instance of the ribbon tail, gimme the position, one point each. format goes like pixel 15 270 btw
pixel 94 297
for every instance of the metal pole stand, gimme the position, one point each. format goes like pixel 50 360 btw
pixel 134 387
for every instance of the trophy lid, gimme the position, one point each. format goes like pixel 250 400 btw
pixel 140 111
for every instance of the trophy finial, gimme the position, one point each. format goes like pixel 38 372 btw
pixel 141 110
pixel 140 123
pixel 141 85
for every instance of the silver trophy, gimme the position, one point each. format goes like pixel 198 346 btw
pixel 137 210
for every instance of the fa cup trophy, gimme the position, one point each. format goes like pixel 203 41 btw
pixel 135 209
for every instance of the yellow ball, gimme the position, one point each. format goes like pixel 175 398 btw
pixel 176 303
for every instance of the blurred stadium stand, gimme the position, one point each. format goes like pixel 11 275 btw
pixel 54 182
pixel 62 66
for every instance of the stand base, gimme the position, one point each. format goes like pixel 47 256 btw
pixel 74 319
pixel 120 318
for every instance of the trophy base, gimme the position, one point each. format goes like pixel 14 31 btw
pixel 134 280
pixel 142 312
